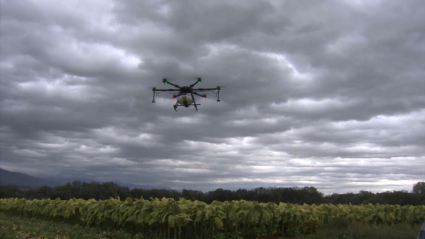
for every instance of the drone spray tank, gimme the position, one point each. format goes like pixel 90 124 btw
pixel 185 100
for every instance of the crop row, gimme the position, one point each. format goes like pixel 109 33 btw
pixel 167 218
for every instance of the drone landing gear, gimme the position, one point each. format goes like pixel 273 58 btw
pixel 177 105
pixel 194 102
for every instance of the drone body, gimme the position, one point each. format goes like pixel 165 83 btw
pixel 185 94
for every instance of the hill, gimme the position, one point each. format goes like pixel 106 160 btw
pixel 24 180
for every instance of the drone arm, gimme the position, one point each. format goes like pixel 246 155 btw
pixel 155 92
pixel 166 82
pixel 203 96
pixel 179 94
pixel 198 81
pixel 217 89
pixel 177 86
pixel 204 89
pixel 167 90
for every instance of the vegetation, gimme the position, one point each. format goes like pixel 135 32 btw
pixel 167 218
pixel 350 230
pixel 93 210
pixel 308 195
pixel 27 227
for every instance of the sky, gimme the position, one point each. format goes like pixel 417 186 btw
pixel 326 93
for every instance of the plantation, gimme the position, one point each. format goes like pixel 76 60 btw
pixel 168 218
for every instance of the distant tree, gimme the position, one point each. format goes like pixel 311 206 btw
pixel 137 193
pixel 108 190
pixel 76 185
pixel 308 195
pixel 64 192
pixel 29 193
pixel 419 188
pixel 344 198
pixel 243 194
pixel 193 195
pixel 154 193
pixel 43 192
pixel 364 197
pixel 419 191
pixel 395 197
pixel 123 192
pixel 10 191
pixel 160 193
pixel 219 195
pixel 89 191
pixel 311 195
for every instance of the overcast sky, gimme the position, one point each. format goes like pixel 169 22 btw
pixel 325 93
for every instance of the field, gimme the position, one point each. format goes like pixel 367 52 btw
pixel 167 218
pixel 29 227
pixel 24 227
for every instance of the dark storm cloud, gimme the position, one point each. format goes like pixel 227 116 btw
pixel 313 92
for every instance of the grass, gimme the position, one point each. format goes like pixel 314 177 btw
pixel 31 228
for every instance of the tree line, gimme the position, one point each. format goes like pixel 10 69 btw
pixel 297 195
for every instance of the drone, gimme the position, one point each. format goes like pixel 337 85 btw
pixel 185 94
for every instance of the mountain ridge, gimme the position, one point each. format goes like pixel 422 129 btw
pixel 26 181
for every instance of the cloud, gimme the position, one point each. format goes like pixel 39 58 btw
pixel 325 94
